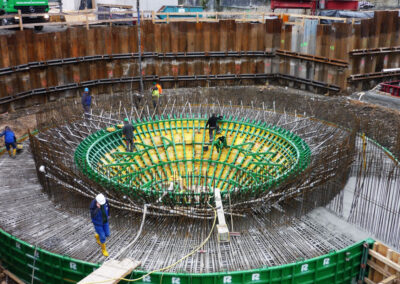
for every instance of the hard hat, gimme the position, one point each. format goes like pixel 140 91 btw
pixel 126 119
pixel 42 169
pixel 86 89
pixel 101 199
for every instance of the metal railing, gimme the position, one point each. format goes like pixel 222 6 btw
pixel 91 17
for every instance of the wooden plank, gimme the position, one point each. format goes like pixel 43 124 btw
pixel 368 281
pixel 111 270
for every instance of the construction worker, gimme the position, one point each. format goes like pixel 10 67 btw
pixel 100 212
pixel 212 123
pixel 220 143
pixel 155 96
pixel 127 135
pixel 86 102
pixel 158 86
pixel 10 141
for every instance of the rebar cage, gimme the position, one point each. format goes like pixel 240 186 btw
pixel 174 156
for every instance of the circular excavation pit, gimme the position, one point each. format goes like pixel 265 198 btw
pixel 284 225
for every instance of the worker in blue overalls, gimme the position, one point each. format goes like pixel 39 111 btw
pixel 100 212
pixel 10 141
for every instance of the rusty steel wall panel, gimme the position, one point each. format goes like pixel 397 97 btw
pixel 147 36
pixel 395 41
pixel 269 40
pixel 223 36
pixel 354 64
pixel 318 51
pixel 133 39
pixel 4 62
pixel 286 42
pixel 123 39
pixel 245 36
pixel 373 42
pixel 182 37
pixel 99 46
pixel 333 41
pixel 214 37
pixel 190 37
pixel 57 44
pixel 231 24
pixel 174 28
pixel 5 57
pixel 115 42
pixel 52 78
pixel 342 39
pixel 253 36
pixel 207 28
pixel 23 79
pixel 239 37
pixel 260 37
pixel 277 29
pixel 158 38
pixel 165 38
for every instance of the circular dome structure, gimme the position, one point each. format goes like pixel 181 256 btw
pixel 175 155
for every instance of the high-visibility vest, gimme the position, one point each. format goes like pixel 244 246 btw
pixel 155 94
pixel 159 88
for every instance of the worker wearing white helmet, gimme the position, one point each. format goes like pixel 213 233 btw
pixel 100 212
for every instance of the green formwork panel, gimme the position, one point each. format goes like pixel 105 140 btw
pixel 29 262
pixel 259 156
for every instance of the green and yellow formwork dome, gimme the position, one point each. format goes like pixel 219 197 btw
pixel 175 163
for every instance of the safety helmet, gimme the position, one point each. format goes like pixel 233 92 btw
pixel 86 89
pixel 126 119
pixel 101 199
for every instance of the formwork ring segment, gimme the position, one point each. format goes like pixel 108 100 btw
pixel 174 157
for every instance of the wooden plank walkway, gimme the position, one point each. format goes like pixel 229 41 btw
pixel 111 270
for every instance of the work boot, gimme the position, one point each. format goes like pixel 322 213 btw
pixel 10 153
pixel 97 239
pixel 104 250
pixel 14 153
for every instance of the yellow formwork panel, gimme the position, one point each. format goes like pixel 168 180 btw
pixel 185 140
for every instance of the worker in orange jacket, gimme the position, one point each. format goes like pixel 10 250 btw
pixel 158 86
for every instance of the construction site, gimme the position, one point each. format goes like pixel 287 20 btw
pixel 298 182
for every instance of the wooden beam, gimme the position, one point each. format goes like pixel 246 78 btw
pixel 13 276
pixel 377 268
pixel 222 228
pixel 21 26
pixel 368 281
pixel 388 280
pixel 386 261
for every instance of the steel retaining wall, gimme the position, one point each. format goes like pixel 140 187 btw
pixel 36 265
